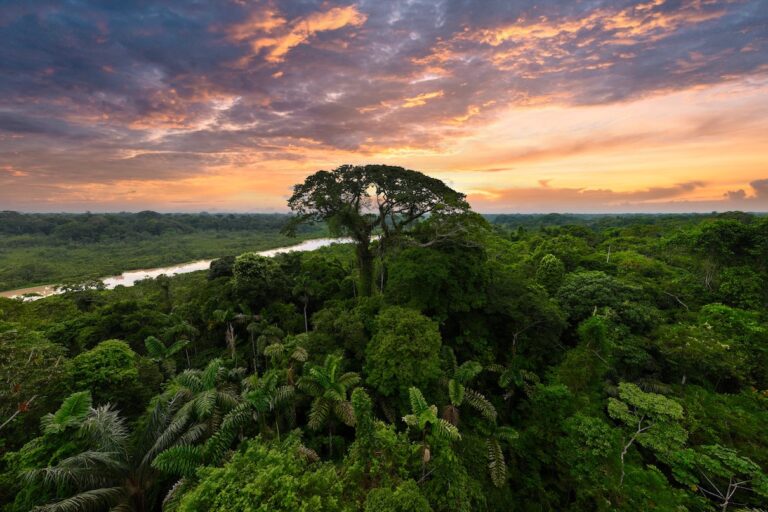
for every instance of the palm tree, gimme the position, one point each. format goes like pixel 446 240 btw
pixel 459 393
pixel 181 330
pixel 160 353
pixel 208 394
pixel 424 420
pixel 330 390
pixel 114 472
pixel 227 317
pixel 252 324
pixel 285 354
pixel 267 395
pixel 495 437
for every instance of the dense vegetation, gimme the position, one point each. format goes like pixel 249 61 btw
pixel 54 248
pixel 504 365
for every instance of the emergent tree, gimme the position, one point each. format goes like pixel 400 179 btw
pixel 361 200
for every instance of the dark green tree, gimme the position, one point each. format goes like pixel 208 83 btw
pixel 360 200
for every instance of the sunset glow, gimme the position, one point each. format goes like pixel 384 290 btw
pixel 561 106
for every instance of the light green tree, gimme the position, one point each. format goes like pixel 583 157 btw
pixel 650 419
pixel 722 475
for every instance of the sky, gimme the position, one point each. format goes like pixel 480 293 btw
pixel 525 106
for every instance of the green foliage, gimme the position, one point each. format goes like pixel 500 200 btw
pixel 406 497
pixel 550 272
pixel 269 478
pixel 568 249
pixel 653 419
pixel 438 281
pixel 31 378
pixel 585 293
pixel 423 418
pixel 342 197
pixel 652 397
pixel 258 278
pixel 722 475
pixel 111 371
pixel 72 413
pixel 742 287
pixel 403 352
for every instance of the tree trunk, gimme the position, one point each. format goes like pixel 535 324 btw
pixel 365 262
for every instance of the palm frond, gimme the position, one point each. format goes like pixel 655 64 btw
pixel 227 399
pixel 300 354
pixel 497 467
pixel 283 394
pixel 105 429
pixel 445 430
pixel 205 402
pixel 307 454
pixel 318 413
pixel 155 348
pixel 507 434
pixel 468 371
pixel 72 412
pixel 345 412
pixel 411 420
pixel 194 434
pixel 455 392
pixel 481 404
pixel 309 386
pixel 93 500
pixel 84 470
pixel 418 403
pixel 189 379
pixel 349 379
pixel 212 372
pixel 217 445
pixel 173 498
pixel 179 460
pixel 177 346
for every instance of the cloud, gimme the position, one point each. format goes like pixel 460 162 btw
pixel 187 91
pixel 761 188
pixel 586 200
pixel 268 30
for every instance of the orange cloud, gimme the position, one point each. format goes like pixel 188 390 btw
pixel 421 99
pixel 267 30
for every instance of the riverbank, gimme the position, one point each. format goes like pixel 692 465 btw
pixel 28 261
pixel 131 277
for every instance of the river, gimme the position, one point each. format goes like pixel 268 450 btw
pixel 130 277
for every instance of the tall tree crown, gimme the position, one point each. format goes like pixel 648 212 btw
pixel 355 199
